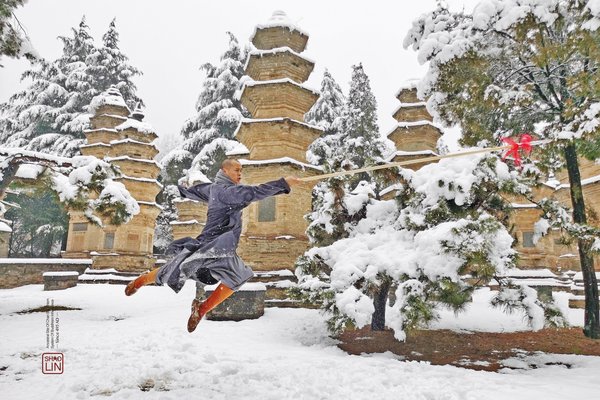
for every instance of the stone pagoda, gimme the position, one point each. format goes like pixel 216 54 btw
pixel 415 135
pixel 121 138
pixel 276 138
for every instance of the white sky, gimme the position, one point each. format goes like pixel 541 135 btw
pixel 169 40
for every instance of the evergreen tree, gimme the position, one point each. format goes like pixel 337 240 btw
pixel 52 113
pixel 163 233
pixel 209 134
pixel 13 41
pixel 442 229
pixel 499 72
pixel 324 113
pixel 41 233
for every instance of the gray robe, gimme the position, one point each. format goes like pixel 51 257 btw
pixel 212 256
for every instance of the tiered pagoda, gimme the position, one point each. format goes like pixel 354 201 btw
pixel 276 138
pixel 121 138
pixel 415 135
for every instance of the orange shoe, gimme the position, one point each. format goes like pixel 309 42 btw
pixel 145 279
pixel 199 310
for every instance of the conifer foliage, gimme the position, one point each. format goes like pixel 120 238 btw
pixel 514 67
pixel 13 41
pixel 52 112
pixel 208 135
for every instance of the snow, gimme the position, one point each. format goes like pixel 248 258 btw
pixel 142 127
pixel 251 82
pixel 282 160
pixel 280 119
pixel 278 19
pixel 239 150
pixel 29 171
pixel 285 354
pixel 4 227
pixel 285 49
pixel 61 273
pixel 111 97
pixel 45 261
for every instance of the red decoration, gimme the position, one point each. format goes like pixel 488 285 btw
pixel 524 144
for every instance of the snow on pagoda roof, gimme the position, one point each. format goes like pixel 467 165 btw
pixel 142 127
pixel 260 53
pixel 414 123
pixel 151 203
pixel 252 82
pixel 282 160
pixel 239 149
pixel 584 182
pixel 408 85
pixel 133 178
pixel 110 97
pixel 29 171
pixel 132 141
pixel 278 19
pixel 411 153
pixel 278 119
pixel 410 105
pixel 128 158
pixel 4 227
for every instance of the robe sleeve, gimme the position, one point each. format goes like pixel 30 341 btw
pixel 198 192
pixel 242 195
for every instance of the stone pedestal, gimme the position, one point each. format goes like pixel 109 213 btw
pixel 60 280
pixel 246 303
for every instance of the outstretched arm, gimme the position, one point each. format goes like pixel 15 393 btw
pixel 198 192
pixel 242 195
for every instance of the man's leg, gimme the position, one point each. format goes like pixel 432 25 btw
pixel 145 279
pixel 199 310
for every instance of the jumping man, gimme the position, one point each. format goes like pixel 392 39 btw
pixel 212 257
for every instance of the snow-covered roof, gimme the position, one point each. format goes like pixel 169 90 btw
pixel 278 19
pixel 390 188
pixel 584 182
pixel 409 105
pixel 61 273
pixel 414 123
pixel 94 145
pixel 408 84
pixel 129 140
pixel 111 130
pixel 142 127
pixel 29 171
pixel 151 203
pixel 4 227
pixel 411 153
pixel 45 261
pixel 110 97
pixel 285 49
pixel 133 178
pixel 523 205
pixel 190 222
pixel 252 82
pixel 278 119
pixel 282 160
pixel 128 158
pixel 239 150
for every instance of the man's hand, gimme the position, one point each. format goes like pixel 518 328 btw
pixel 293 180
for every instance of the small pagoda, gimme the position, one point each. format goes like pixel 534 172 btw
pixel 415 135
pixel 276 139
pixel 120 137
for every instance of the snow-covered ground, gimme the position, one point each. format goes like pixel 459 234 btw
pixel 116 345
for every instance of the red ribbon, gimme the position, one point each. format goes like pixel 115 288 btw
pixel 524 144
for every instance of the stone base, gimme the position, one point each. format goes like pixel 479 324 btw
pixel 123 262
pixel 246 303
pixel 60 280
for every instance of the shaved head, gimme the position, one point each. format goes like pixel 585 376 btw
pixel 233 169
pixel 229 163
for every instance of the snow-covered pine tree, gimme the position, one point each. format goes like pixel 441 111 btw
pixel 353 142
pixel 13 40
pixel 51 114
pixel 208 135
pixel 438 241
pixel 324 113
pixel 163 234
pixel 109 66
pixel 499 72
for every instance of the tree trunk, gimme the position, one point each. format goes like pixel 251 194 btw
pixel 591 320
pixel 380 300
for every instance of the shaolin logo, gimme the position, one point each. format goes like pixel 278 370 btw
pixel 53 363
